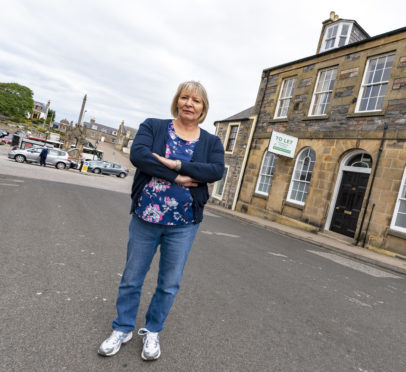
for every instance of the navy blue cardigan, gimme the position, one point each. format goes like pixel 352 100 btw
pixel 206 165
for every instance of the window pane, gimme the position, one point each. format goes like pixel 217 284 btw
pixel 220 184
pixel 375 82
pixel 401 220
pixel 402 206
pixel 266 172
pixel 344 30
pixel 284 99
pixel 322 93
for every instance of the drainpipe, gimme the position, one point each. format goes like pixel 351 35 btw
pixel 244 163
pixel 372 182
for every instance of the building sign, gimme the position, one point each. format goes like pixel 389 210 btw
pixel 282 144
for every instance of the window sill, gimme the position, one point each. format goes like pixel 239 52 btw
pixel 364 114
pixel 398 234
pixel 218 197
pixel 260 196
pixel 280 120
pixel 294 205
pixel 320 117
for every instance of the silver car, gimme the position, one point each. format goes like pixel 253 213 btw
pixel 106 167
pixel 58 158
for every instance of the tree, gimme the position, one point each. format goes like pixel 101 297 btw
pixel 50 116
pixel 15 100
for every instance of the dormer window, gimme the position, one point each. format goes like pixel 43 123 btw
pixel 336 35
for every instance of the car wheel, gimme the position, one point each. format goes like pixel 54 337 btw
pixel 122 175
pixel 96 170
pixel 19 158
pixel 60 165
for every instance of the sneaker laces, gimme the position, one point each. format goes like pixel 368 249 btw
pixel 149 336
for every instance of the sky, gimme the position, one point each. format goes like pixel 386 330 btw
pixel 129 56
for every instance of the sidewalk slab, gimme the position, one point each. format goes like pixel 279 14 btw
pixel 388 262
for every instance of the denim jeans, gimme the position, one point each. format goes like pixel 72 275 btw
pixel 144 238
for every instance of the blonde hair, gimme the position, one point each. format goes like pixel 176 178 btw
pixel 191 86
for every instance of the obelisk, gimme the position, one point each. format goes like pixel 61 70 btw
pixel 82 110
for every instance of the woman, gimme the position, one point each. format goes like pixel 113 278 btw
pixel 175 160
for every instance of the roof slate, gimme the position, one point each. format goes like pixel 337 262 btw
pixel 241 115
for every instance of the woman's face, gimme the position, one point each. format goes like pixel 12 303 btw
pixel 190 105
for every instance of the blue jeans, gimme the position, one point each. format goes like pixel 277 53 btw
pixel 144 238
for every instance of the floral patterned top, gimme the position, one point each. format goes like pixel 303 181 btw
pixel 161 201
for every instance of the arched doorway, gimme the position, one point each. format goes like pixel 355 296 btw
pixel 349 193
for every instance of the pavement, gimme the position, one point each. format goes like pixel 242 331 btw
pixel 333 242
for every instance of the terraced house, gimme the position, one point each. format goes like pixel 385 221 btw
pixel 326 147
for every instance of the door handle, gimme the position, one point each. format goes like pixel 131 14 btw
pixel 347 212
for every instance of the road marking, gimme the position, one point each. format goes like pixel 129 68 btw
pixel 207 213
pixel 8 184
pixel 356 265
pixel 277 254
pixel 358 302
pixel 229 235
pixel 219 233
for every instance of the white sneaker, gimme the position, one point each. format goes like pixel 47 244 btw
pixel 111 345
pixel 151 349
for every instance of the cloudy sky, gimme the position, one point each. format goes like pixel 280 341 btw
pixel 129 56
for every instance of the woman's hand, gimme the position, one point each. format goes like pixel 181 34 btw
pixel 180 179
pixel 171 164
pixel 186 181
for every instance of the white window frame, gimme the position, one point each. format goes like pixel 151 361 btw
pixel 214 193
pixel 337 36
pixel 262 173
pixel 400 198
pixel 365 85
pixel 305 182
pixel 94 127
pixel 229 129
pixel 284 98
pixel 114 133
pixel 323 92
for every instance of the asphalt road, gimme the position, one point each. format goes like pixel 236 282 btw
pixel 251 300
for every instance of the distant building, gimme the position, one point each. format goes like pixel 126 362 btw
pixel 63 125
pixel 40 110
pixel 100 133
pixel 124 137
pixel 97 132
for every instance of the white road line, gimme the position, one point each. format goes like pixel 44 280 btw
pixel 219 233
pixel 8 184
pixel 356 265
pixel 207 213
pixel 277 254
pixel 229 235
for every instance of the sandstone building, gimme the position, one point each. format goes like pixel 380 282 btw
pixel 346 107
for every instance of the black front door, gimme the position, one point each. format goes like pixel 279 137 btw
pixel 349 202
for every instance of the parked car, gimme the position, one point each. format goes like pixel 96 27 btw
pixel 3 133
pixel 8 139
pixel 60 159
pixel 106 167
